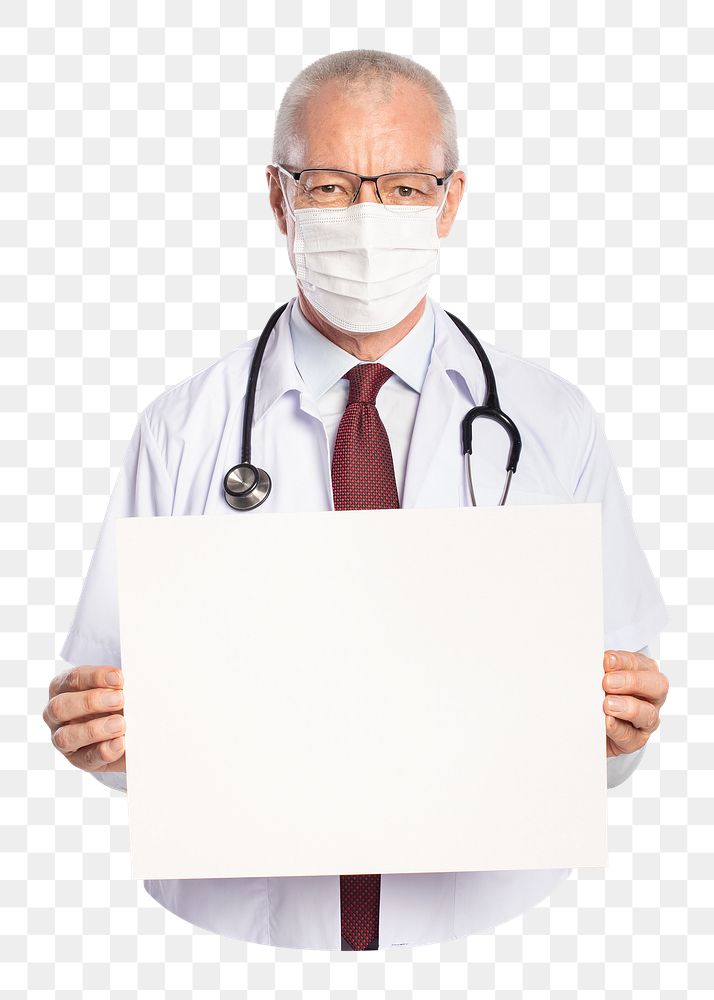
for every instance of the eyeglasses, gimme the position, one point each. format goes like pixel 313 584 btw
pixel 325 187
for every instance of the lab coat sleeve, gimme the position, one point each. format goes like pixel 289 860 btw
pixel 142 489
pixel 620 768
pixel 633 609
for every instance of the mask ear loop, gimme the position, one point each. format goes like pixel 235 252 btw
pixel 286 200
pixel 443 201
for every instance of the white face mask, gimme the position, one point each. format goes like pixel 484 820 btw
pixel 365 267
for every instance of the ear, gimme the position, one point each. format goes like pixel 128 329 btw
pixel 454 195
pixel 276 197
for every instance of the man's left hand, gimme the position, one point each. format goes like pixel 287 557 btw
pixel 636 690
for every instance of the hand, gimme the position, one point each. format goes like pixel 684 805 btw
pixel 85 703
pixel 634 716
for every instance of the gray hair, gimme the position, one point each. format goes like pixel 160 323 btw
pixel 361 65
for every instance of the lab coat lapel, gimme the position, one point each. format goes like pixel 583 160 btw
pixel 293 450
pixel 432 472
pixel 435 465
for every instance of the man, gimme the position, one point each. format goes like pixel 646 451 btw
pixel 366 380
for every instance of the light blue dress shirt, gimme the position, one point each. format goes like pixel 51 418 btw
pixel 322 365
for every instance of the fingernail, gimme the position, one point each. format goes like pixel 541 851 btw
pixel 616 680
pixel 117 743
pixel 114 725
pixel 112 698
pixel 613 659
pixel 616 704
pixel 114 677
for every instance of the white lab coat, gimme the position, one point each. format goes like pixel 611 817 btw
pixel 182 446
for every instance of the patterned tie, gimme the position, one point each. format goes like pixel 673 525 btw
pixel 362 466
pixel 362 478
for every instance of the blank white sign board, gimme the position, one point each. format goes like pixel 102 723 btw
pixel 345 692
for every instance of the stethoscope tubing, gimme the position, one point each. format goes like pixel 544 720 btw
pixel 253 382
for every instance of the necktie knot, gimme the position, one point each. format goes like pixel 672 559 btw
pixel 366 380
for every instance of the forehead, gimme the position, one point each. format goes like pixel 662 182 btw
pixel 370 126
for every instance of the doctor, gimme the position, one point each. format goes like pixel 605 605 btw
pixel 363 370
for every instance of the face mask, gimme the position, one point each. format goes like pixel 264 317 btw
pixel 365 267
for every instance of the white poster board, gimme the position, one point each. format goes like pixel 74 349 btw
pixel 345 692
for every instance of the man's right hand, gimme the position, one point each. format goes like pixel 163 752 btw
pixel 85 714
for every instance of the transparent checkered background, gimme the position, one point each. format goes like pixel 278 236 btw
pixel 137 245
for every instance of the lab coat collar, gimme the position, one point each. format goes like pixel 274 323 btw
pixel 278 371
pixel 457 356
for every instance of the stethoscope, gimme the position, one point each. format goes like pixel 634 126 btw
pixel 246 486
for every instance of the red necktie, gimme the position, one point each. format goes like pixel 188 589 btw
pixel 362 478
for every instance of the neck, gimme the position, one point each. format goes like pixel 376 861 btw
pixel 365 346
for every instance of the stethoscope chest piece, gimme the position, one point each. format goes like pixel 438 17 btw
pixel 246 486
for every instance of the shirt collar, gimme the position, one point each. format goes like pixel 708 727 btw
pixel 279 374
pixel 321 362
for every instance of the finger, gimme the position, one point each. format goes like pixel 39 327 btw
pixel 641 714
pixel 625 659
pixel 96 715
pixel 623 735
pixel 104 756
pixel 71 706
pixel 645 684
pixel 649 662
pixel 86 676
pixel 73 736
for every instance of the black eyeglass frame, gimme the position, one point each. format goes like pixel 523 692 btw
pixel 295 174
